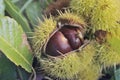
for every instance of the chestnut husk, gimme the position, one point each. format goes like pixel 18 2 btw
pixel 72 65
pixel 66 66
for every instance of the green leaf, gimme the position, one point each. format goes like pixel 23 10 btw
pixel 13 43
pixel 117 73
pixel 45 3
pixel 25 5
pixel 20 3
pixel 14 1
pixel 34 11
pixel 22 74
pixel 2 7
pixel 14 12
pixel 7 69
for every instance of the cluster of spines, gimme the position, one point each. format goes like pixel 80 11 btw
pixel 108 53
pixel 63 68
pixel 42 33
pixel 99 14
pixel 71 17
pixel 92 72
pixel 105 16
pixel 83 7
pixel 71 65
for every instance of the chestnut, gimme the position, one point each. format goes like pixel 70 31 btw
pixel 57 44
pixel 72 34
pixel 64 40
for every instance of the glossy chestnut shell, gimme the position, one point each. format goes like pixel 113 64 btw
pixel 64 40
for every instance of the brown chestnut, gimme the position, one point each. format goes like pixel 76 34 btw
pixel 58 44
pixel 72 34
pixel 64 40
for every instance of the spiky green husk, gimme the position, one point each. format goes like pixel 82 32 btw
pixel 114 43
pixel 87 54
pixel 108 59
pixel 83 7
pixel 109 54
pixel 92 72
pixel 100 14
pixel 105 15
pixel 72 18
pixel 62 68
pixel 42 33
pixel 90 69
pixel 70 65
